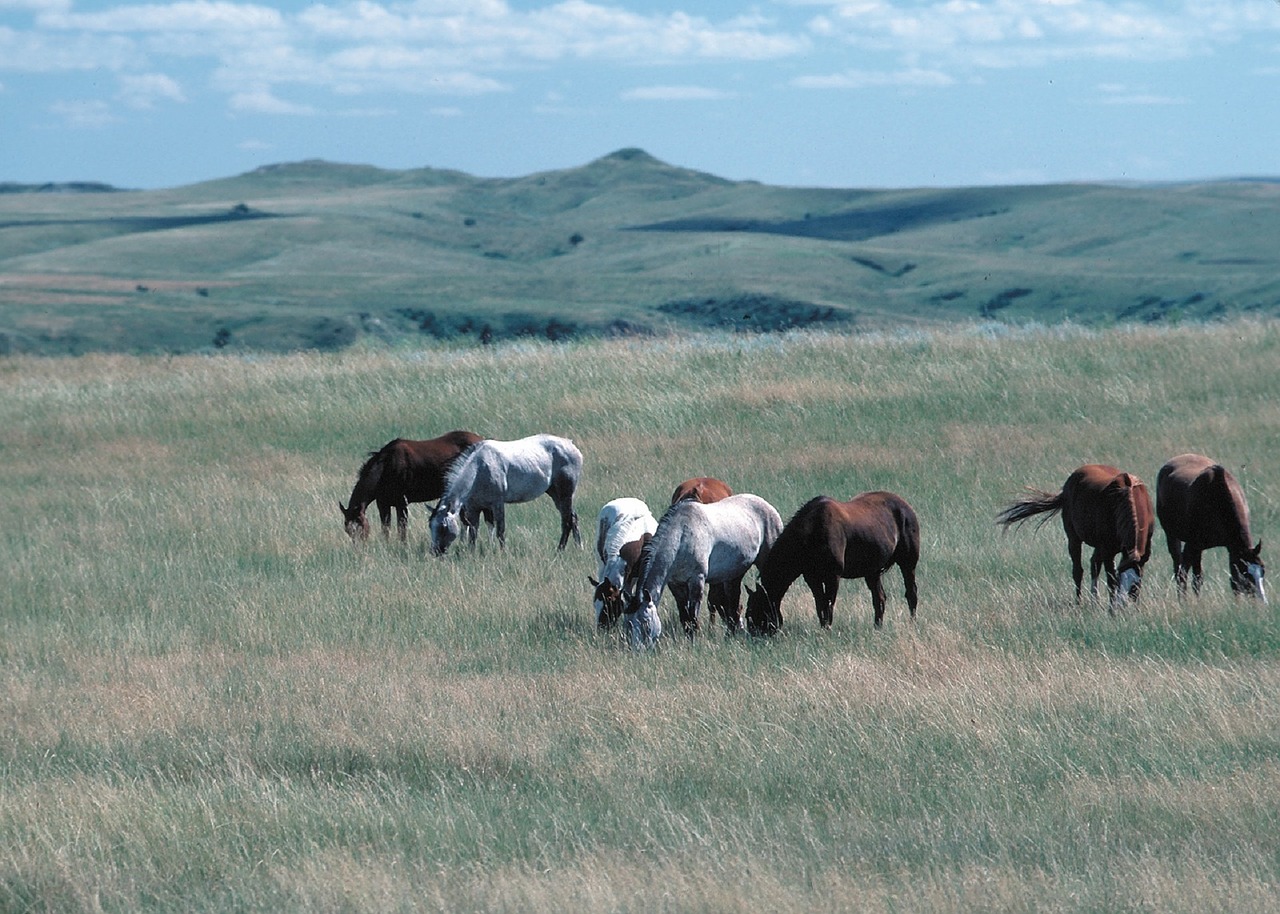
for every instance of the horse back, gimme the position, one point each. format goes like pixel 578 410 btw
pixel 703 489
pixel 873 531
pixel 1201 502
pixel 1108 509
pixel 419 468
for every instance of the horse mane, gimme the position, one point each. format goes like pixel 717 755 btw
pixel 458 466
pixel 1126 506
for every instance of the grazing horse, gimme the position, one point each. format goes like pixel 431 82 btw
pixel 696 545
pixel 706 489
pixel 401 473
pixel 493 474
pixel 625 525
pixel 1106 509
pixel 1200 505
pixel 828 540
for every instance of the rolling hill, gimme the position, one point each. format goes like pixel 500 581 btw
pixel 317 255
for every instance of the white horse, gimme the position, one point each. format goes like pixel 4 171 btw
pixel 696 545
pixel 623 527
pixel 492 474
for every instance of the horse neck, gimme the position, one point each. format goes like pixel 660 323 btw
pixel 460 482
pixel 659 557
pixel 781 566
pixel 366 488
pixel 1129 521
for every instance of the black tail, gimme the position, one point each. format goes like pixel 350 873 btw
pixel 1038 502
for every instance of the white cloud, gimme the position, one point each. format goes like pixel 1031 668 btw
pixel 263 101
pixel 186 16
pixel 1001 33
pixel 873 79
pixel 675 93
pixel 146 89
pixel 86 114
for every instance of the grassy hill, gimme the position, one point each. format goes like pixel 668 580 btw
pixel 319 255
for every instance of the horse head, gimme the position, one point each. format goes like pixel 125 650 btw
pixel 1247 573
pixel 608 601
pixel 446 526
pixel 1128 579
pixel 640 620
pixel 764 617
pixel 354 522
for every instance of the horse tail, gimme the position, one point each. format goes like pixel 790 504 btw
pixel 1037 502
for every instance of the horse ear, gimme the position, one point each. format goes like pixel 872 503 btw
pixel 594 582
pixel 342 508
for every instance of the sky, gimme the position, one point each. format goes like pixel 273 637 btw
pixel 826 93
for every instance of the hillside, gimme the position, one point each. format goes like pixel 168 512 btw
pixel 319 255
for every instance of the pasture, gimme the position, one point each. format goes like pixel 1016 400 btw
pixel 213 701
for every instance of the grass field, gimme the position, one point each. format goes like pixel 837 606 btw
pixel 212 702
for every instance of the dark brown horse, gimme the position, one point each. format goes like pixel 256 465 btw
pixel 1103 508
pixel 722 600
pixel 828 540
pixel 1200 505
pixel 401 473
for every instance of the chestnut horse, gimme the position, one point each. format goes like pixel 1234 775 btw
pixel 828 540
pixel 1200 505
pixel 401 473
pixel 1103 508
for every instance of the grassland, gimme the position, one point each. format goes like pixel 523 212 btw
pixel 316 255
pixel 211 701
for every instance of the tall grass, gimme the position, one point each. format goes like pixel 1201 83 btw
pixel 212 701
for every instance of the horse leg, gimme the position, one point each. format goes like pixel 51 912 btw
pixel 909 582
pixel 824 587
pixel 877 597
pixel 730 603
pixel 384 515
pixel 688 597
pixel 1179 570
pixel 500 523
pixel 402 520
pixel 1077 566
pixel 561 492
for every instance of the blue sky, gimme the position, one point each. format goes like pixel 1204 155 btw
pixel 834 93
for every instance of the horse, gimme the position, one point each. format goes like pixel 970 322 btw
pixel 400 473
pixel 828 540
pixel 696 545
pixel 1200 505
pixel 493 474
pixel 624 526
pixel 706 489
pixel 1106 509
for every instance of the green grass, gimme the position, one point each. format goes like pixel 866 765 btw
pixel 320 256
pixel 213 702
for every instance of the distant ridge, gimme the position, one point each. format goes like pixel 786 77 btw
pixel 64 187
pixel 316 254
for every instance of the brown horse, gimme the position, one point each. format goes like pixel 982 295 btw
pixel 721 600
pixel 704 489
pixel 1200 505
pixel 401 473
pixel 1106 509
pixel 828 540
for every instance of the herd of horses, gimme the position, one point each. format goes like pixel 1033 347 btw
pixel 709 537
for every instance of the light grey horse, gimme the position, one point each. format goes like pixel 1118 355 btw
pixel 696 545
pixel 492 474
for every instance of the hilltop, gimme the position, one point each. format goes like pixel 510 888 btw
pixel 318 255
